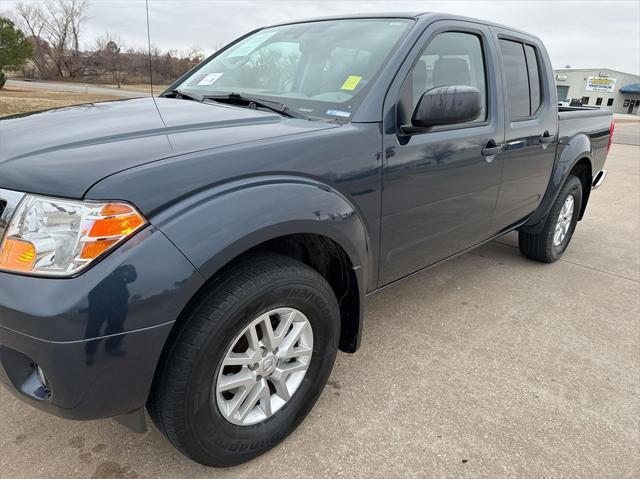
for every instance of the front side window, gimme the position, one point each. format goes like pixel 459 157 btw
pixel 449 59
pixel 318 68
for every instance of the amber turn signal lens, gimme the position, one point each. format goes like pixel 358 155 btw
pixel 114 209
pixel 116 226
pixel 17 255
pixel 94 249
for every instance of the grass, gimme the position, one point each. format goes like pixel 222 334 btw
pixel 14 101
pixel 138 87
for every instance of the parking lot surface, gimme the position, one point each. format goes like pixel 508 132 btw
pixel 487 366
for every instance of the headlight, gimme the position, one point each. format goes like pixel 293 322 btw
pixel 55 237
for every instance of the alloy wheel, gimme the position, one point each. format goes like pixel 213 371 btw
pixel 564 221
pixel 264 367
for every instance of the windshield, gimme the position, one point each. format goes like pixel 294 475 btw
pixel 317 68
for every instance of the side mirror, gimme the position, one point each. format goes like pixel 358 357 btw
pixel 445 105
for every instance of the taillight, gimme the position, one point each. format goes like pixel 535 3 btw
pixel 611 130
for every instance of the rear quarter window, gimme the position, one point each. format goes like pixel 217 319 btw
pixel 534 77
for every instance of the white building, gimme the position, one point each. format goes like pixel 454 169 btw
pixel 603 88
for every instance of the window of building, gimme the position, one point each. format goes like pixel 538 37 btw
pixel 599 101
pixel 563 92
pixel 449 59
pixel 626 104
pixel 585 100
pixel 610 102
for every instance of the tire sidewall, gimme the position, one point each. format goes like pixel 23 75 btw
pixel 232 443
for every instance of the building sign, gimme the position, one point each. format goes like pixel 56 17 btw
pixel 601 84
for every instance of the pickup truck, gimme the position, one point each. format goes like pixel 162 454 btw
pixel 203 255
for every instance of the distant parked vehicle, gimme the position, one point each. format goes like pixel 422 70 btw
pixel 205 254
pixel 574 102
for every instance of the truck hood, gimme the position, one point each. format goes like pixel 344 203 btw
pixel 63 152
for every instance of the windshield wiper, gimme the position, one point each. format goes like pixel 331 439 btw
pixel 237 98
pixel 189 96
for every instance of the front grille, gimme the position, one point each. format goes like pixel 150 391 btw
pixel 9 201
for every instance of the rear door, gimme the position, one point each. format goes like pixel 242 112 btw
pixel 439 189
pixel 531 126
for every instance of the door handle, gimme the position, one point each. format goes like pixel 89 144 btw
pixel 492 149
pixel 546 138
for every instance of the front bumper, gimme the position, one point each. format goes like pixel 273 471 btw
pixel 97 337
pixel 98 378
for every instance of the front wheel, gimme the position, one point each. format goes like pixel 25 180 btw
pixel 248 363
pixel 550 244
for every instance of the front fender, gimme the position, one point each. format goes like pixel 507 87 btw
pixel 570 151
pixel 215 226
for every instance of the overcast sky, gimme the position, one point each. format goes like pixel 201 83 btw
pixel 583 34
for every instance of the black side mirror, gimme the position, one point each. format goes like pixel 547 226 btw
pixel 445 105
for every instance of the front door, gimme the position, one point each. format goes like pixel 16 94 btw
pixel 439 190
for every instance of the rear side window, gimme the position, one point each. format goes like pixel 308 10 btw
pixel 522 72
pixel 515 71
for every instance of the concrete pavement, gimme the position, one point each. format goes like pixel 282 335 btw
pixel 627 129
pixel 487 366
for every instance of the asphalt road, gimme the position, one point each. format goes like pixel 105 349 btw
pixel 487 366
pixel 75 88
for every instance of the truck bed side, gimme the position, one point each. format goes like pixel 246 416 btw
pixel 583 142
pixel 593 125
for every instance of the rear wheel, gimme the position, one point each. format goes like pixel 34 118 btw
pixel 248 363
pixel 550 244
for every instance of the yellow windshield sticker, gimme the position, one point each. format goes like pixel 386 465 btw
pixel 351 83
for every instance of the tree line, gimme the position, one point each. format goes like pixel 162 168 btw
pixel 42 40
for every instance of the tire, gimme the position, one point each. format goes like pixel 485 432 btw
pixel 185 400
pixel 544 246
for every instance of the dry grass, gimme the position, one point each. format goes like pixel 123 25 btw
pixel 14 100
pixel 137 88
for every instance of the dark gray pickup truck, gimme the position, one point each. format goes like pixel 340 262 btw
pixel 206 253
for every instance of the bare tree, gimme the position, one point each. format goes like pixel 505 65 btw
pixel 195 55
pixel 55 28
pixel 111 57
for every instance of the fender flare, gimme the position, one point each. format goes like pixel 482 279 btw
pixel 576 149
pixel 214 226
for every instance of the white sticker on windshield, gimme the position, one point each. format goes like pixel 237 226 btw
pixel 210 79
pixel 247 46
